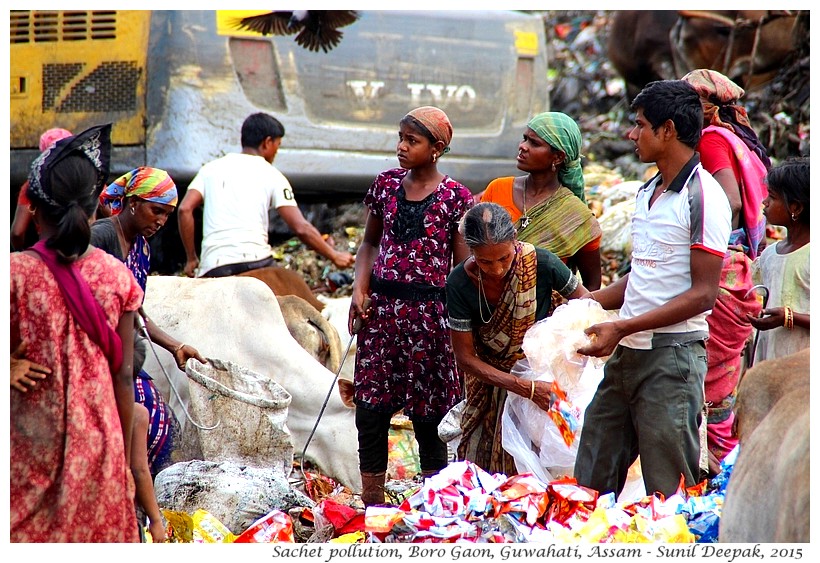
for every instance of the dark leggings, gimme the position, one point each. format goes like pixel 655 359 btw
pixel 373 429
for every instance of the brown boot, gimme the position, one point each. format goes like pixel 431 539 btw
pixel 373 488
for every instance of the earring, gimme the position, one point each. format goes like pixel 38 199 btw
pixel 553 167
pixel 794 217
pixel 435 156
pixel 31 209
pixel 132 210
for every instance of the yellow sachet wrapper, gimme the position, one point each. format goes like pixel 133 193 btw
pixel 352 537
pixel 210 529
pixel 181 524
pixel 673 529
pixel 597 528
pixel 380 519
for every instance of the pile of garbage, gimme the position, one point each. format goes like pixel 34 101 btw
pixel 463 503
pixel 585 85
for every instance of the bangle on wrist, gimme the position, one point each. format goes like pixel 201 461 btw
pixel 788 321
pixel 178 348
pixel 532 389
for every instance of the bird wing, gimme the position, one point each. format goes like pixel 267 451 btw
pixel 320 28
pixel 273 23
pixel 321 38
pixel 339 18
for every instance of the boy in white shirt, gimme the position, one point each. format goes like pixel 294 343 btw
pixel 650 400
pixel 237 191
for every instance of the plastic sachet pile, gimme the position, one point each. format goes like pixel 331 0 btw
pixel 463 503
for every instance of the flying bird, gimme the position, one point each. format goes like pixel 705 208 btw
pixel 317 29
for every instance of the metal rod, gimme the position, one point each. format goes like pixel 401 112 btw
pixel 357 325
pixel 754 289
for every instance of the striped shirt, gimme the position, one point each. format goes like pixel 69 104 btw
pixel 692 213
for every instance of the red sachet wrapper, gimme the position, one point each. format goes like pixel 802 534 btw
pixel 274 527
pixel 568 498
pixel 563 414
pixel 344 519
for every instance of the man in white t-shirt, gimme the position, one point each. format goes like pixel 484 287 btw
pixel 650 400
pixel 238 191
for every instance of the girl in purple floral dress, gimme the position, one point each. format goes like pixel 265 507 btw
pixel 404 359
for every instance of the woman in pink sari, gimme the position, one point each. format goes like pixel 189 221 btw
pixel 730 151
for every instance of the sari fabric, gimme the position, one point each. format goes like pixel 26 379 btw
pixel 82 305
pixel 499 344
pixel 728 329
pixel 561 224
pixel 753 189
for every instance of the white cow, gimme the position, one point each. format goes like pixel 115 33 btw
pixel 238 319
pixel 336 311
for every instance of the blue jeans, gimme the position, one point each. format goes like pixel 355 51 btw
pixel 649 403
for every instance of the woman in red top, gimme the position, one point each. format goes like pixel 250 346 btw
pixel 730 151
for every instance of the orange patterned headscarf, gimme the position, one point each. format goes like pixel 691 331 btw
pixel 715 91
pixel 719 97
pixel 435 121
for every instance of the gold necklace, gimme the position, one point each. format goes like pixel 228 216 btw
pixel 484 295
pixel 525 219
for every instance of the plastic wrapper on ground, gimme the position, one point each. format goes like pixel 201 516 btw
pixel 274 527
pixel 201 527
pixel 402 450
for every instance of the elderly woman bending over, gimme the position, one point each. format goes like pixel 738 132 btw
pixel 493 297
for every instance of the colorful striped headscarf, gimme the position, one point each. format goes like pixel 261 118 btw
pixel 561 132
pixel 150 184
pixel 436 122
pixel 719 97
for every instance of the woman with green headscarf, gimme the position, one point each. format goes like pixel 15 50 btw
pixel 547 204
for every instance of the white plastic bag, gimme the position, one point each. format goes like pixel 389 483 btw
pixel 550 344
pixel 528 433
pixel 522 428
pixel 532 437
